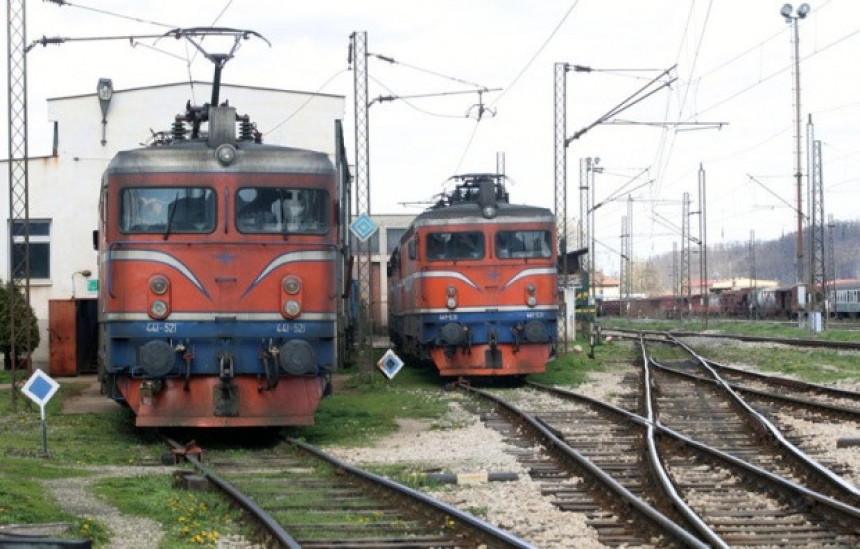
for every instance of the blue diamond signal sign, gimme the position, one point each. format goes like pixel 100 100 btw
pixel 40 388
pixel 363 227
pixel 390 364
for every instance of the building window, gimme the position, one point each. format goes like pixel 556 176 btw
pixel 40 248
pixel 392 235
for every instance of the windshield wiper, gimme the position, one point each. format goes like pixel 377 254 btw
pixel 284 230
pixel 170 215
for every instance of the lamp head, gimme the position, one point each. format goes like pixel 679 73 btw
pixel 785 11
pixel 803 10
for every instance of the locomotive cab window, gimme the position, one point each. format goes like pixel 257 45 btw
pixel 455 246
pixel 167 210
pixel 528 244
pixel 280 210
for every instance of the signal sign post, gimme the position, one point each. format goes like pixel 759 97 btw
pixel 40 388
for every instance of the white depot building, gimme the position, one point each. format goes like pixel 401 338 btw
pixel 64 186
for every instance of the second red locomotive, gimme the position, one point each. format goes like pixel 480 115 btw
pixel 473 283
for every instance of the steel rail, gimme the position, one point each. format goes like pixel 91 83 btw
pixel 794 383
pixel 656 464
pixel 271 525
pixel 822 406
pixel 666 524
pixel 801 342
pixel 773 430
pixel 492 532
pixel 850 512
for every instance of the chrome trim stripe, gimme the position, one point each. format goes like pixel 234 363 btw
pixel 213 317
pixel 158 257
pixel 409 280
pixel 291 257
pixel 500 309
pixel 530 272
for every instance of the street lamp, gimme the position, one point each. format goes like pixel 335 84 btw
pixel 790 16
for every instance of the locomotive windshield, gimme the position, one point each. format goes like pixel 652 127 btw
pixel 460 245
pixel 523 244
pixel 167 210
pixel 282 210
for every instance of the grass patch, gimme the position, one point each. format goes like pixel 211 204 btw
pixel 573 369
pixel 190 519
pixel 73 439
pixel 811 365
pixel 363 412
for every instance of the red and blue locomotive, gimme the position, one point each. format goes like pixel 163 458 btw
pixel 473 283
pixel 219 268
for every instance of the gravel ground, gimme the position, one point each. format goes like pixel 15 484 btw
pixel 515 506
pixel 129 532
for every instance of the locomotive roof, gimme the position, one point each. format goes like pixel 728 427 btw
pixel 470 213
pixel 197 156
pixel 479 198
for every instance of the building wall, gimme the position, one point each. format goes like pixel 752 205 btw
pixel 64 188
pixel 391 226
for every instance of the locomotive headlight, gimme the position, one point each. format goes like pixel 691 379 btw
pixel 452 291
pixel 292 285
pixel 451 303
pixel 158 309
pixel 531 300
pixel 158 285
pixel 292 308
pixel 489 212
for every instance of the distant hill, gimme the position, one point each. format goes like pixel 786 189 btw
pixel 774 260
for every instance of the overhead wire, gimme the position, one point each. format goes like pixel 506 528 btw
pixel 110 13
pixel 306 102
pixel 538 52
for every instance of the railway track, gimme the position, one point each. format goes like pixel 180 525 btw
pixel 741 492
pixel 798 342
pixel 620 513
pixel 302 497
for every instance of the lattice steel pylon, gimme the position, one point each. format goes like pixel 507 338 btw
pixel 817 262
pixel 364 268
pixel 624 291
pixel 832 274
pixel 561 193
pixel 703 247
pixel 19 211
pixel 686 286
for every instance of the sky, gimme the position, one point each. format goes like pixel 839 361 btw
pixel 731 63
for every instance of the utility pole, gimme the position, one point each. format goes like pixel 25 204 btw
pixel 19 201
pixel 358 57
pixel 686 284
pixel 787 12
pixel 754 301
pixel 676 278
pixel 623 297
pixel 817 271
pixel 560 100
pixel 703 248
pixel 832 275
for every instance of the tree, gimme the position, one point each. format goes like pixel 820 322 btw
pixel 26 324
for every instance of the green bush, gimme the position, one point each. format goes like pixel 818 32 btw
pixel 26 325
